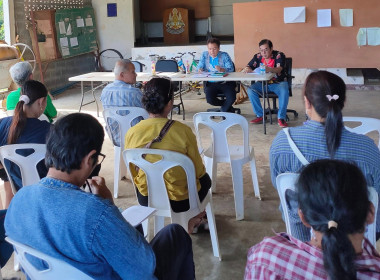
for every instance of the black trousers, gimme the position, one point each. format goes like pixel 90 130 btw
pixel 182 205
pixel 174 254
pixel 227 89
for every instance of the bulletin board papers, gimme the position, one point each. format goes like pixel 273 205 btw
pixel 373 36
pixel 346 17
pixel 294 14
pixel 361 38
pixel 76 31
pixel 324 18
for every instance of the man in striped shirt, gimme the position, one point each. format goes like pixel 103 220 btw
pixel 121 93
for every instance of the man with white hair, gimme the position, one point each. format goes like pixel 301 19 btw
pixel 121 93
pixel 20 73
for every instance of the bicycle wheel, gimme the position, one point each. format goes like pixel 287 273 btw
pixel 26 54
pixel 105 61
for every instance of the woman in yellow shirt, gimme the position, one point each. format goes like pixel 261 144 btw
pixel 158 101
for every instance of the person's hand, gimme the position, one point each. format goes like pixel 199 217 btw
pixel 247 70
pixel 98 187
pixel 219 69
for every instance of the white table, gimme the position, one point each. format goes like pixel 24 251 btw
pixel 106 77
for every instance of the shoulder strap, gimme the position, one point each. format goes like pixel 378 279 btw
pixel 163 131
pixel 294 147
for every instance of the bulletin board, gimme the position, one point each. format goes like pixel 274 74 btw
pixel 308 45
pixel 76 31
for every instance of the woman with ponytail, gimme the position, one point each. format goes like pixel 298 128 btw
pixel 322 136
pixel 333 202
pixel 25 127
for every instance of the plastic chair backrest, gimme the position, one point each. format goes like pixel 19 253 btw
pixel 157 193
pixel 167 65
pixel 27 164
pixel 284 182
pixel 124 117
pixel 219 131
pixel 367 125
pixel 287 181
pixel 139 67
pixel 57 269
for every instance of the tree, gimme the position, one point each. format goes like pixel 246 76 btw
pixel 2 35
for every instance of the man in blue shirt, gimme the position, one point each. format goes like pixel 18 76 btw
pixel 121 93
pixel 214 60
pixel 87 230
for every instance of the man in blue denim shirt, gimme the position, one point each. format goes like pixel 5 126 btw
pixel 84 229
pixel 121 93
pixel 216 61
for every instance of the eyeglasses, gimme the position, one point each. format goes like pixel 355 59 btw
pixel 101 158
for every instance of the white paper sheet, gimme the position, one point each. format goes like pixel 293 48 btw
pixel 373 36
pixel 346 17
pixel 294 14
pixel 80 22
pixel 69 32
pixel 324 18
pixel 65 51
pixel 89 22
pixel 136 214
pixel 361 37
pixel 74 41
pixel 64 42
pixel 62 29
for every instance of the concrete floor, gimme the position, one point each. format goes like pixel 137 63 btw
pixel 261 217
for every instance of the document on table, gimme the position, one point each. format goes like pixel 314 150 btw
pixel 136 214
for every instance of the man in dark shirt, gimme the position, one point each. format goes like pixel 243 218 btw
pixel 274 62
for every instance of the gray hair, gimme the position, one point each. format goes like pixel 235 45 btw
pixel 121 66
pixel 20 72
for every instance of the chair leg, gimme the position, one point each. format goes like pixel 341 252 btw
pixel 255 181
pixel 237 182
pixel 145 226
pixel 16 263
pixel 211 165
pixel 213 231
pixel 159 223
pixel 116 175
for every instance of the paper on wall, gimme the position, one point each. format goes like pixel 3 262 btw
pixel 62 29
pixel 361 37
pixel 373 36
pixel 69 32
pixel 80 22
pixel 346 17
pixel 324 18
pixel 64 42
pixel 74 41
pixel 294 14
pixel 65 51
pixel 89 22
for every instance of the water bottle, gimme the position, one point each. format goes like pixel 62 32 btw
pixel 262 69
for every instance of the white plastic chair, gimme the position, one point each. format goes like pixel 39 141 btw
pixel 27 164
pixel 125 123
pixel 43 117
pixel 367 125
pixel 57 269
pixel 220 151
pixel 287 181
pixel 157 193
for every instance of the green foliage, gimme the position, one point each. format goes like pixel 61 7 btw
pixel 2 36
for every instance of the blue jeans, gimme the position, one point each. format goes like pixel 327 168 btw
pixel 6 249
pixel 280 89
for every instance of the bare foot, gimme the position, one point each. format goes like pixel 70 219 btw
pixel 194 222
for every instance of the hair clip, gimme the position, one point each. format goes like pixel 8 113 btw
pixel 334 97
pixel 331 224
pixel 24 98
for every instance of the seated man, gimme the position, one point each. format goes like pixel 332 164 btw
pixel 87 230
pixel 20 73
pixel 274 62
pixel 121 93
pixel 216 61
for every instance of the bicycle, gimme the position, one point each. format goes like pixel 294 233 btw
pixel 179 59
pixel 193 68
